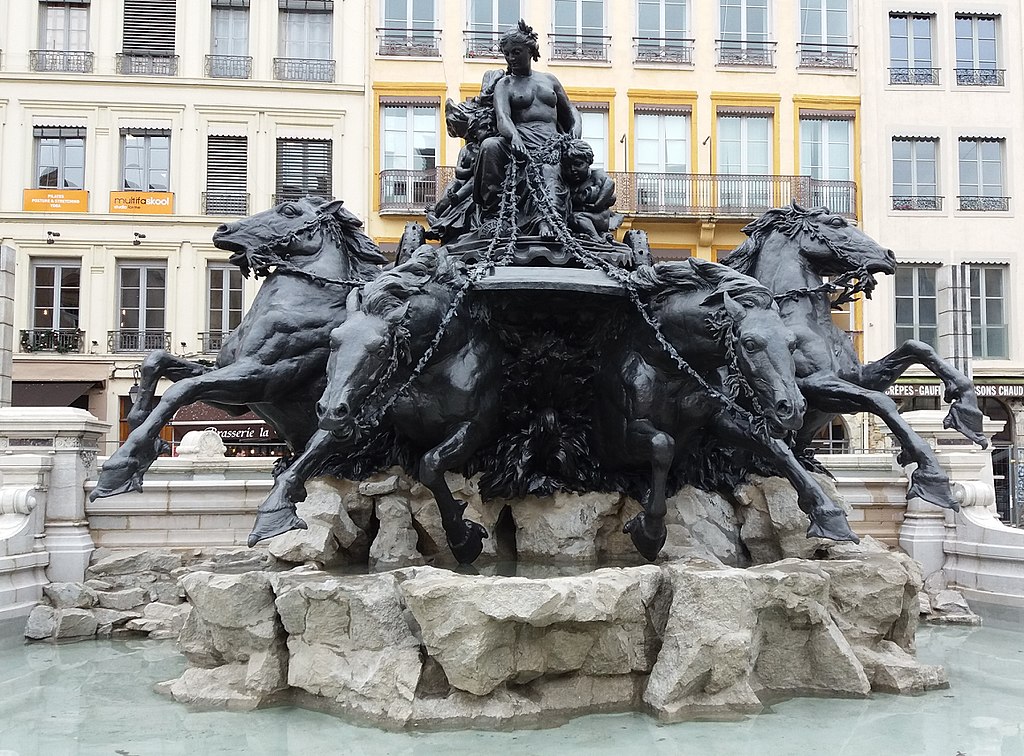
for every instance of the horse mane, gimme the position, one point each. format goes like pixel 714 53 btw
pixel 695 274
pixel 786 220
pixel 364 255
pixel 394 287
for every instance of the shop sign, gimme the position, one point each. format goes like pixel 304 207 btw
pixel 142 203
pixel 230 433
pixel 55 201
pixel 1002 390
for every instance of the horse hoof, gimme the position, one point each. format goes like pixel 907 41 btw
pixel 270 524
pixel 832 525
pixel 114 482
pixel 469 547
pixel 649 546
pixel 968 422
pixel 933 488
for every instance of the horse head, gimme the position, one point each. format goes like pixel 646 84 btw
pixel 300 232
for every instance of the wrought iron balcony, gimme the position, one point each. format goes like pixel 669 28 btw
pixel 980 77
pixel 662 50
pixel 69 61
pixel 225 203
pixel 742 52
pixel 911 202
pixel 146 64
pixel 837 57
pixel 137 341
pixel 408 191
pixel 212 341
pixel 593 47
pixel 303 69
pixel 915 76
pixel 229 66
pixel 482 44
pixel 62 340
pixel 412 43
pixel 984 204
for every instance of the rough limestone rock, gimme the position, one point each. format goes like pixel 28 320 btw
pixel 432 542
pixel 134 562
pixel 109 621
pixel 75 623
pixel 42 622
pixel 332 537
pixel 395 544
pixel 161 621
pixel 123 600
pixel 202 444
pixel 892 670
pixel 948 607
pixel 562 527
pixel 485 632
pixel 70 595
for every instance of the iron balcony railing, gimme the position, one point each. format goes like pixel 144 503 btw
pixel 662 50
pixel 744 52
pixel 409 190
pixel 816 55
pixel 137 341
pixel 980 77
pixel 303 69
pixel 146 64
pixel 69 61
pixel 417 43
pixel 225 203
pixel 984 204
pixel 62 340
pixel 228 66
pixel 212 341
pixel 914 76
pixel 912 202
pixel 482 44
pixel 593 47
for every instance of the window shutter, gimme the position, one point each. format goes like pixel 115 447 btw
pixel 304 167
pixel 149 27
pixel 226 167
pixel 306 5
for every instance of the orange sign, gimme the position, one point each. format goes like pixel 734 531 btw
pixel 56 201
pixel 142 203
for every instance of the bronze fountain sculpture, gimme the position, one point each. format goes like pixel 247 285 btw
pixel 598 371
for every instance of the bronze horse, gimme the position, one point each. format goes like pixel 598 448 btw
pixel 789 251
pixel 648 410
pixel 311 252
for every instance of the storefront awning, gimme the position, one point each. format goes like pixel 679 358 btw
pixel 48 393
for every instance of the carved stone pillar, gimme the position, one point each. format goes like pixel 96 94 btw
pixel 71 436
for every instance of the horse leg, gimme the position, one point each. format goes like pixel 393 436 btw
pixel 159 364
pixel 828 520
pixel 465 537
pixel 647 529
pixel 928 481
pixel 964 414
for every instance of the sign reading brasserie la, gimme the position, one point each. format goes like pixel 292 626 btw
pixel 142 203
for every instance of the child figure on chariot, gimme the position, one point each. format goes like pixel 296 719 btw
pixel 591 193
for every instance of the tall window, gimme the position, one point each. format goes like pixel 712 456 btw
pixel 148 38
pixel 910 50
pixel 915 174
pixel 146 160
pixel 408 154
pixel 981 175
pixel 141 300
pixel 917 311
pixel 662 147
pixel 305 33
pixel 745 150
pixel 64 26
pixel 229 40
pixel 226 175
pixel 744 28
pixel 224 304
pixel 976 51
pixel 826 154
pixel 304 166
pixel 55 295
pixel 825 34
pixel 493 15
pixel 988 313
pixel 579 30
pixel 60 157
pixel 410 28
pixel 595 133
pixel 662 30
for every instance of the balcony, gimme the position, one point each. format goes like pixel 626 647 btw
pixel 916 203
pixel 409 191
pixel 662 50
pixel 980 77
pixel 831 57
pixel 137 341
pixel 746 53
pixel 225 203
pixel 984 204
pixel 409 43
pixel 212 341
pixel 303 69
pixel 61 340
pixel 228 66
pixel 914 76
pixel 145 64
pixel 586 47
pixel 482 44
pixel 68 61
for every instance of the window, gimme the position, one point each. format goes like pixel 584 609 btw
pixel 917 310
pixel 55 308
pixel 744 26
pixel 146 160
pixel 595 131
pixel 410 28
pixel 915 174
pixel 488 20
pixel 661 31
pixel 662 147
pixel 305 31
pixel 826 155
pixel 60 157
pixel 226 176
pixel 988 313
pixel 148 38
pixel 304 166
pixel 579 30
pixel 981 175
pixel 976 54
pixel 229 40
pixel 745 151
pixel 141 298
pixel 224 304
pixel 910 50
pixel 408 154
pixel 64 26
pixel 825 34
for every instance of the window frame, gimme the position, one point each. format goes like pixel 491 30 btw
pixel 57 288
pixel 578 29
pixel 286 43
pixel 496 26
pixel 974 18
pixel 984 188
pixel 913 330
pixel 824 38
pixel 146 167
pixel 69 9
pixel 38 137
pixel 744 33
pixel 410 136
pixel 146 268
pixel 306 172
pixel 233 13
pixel 980 313
pixel 230 283
pixel 662 31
